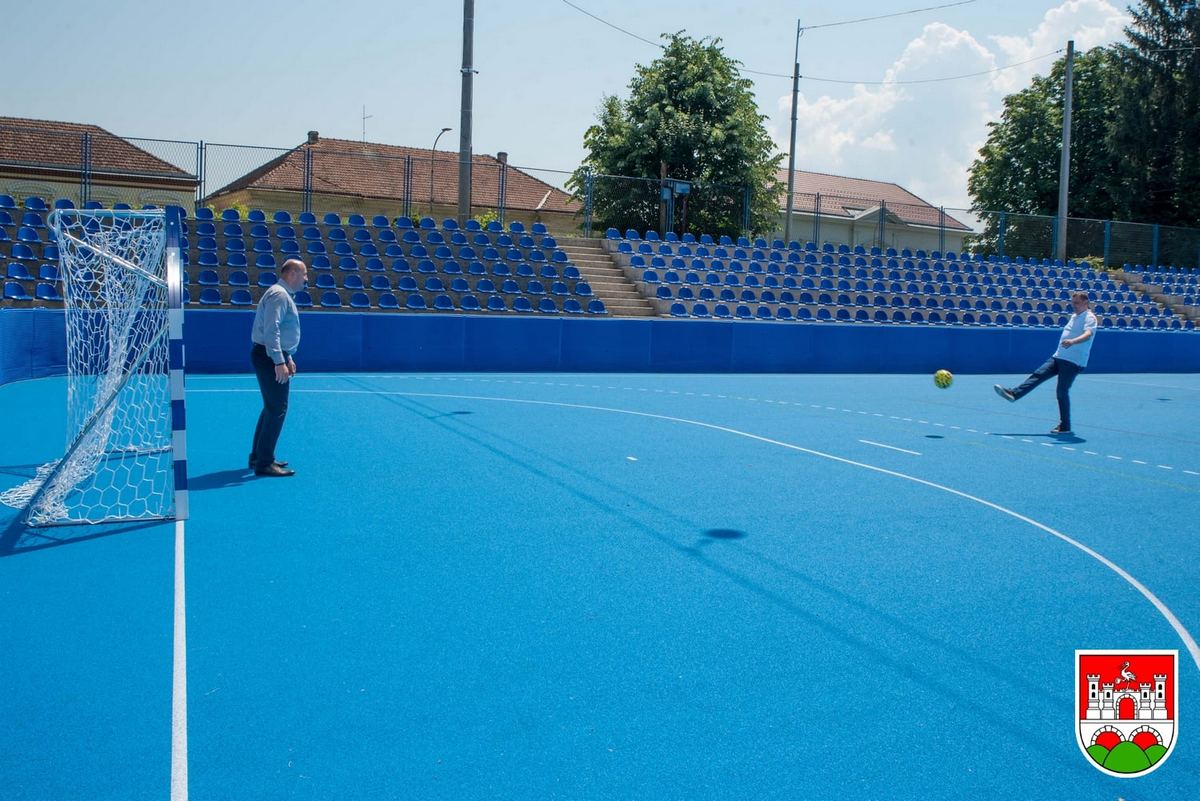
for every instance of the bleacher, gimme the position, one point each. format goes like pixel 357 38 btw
pixel 723 279
pixel 1182 285
pixel 354 264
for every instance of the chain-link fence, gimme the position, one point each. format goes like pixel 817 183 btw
pixel 84 164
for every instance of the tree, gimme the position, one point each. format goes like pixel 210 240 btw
pixel 1017 169
pixel 1156 129
pixel 691 109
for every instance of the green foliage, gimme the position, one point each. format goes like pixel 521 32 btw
pixel 485 217
pixel 1158 99
pixel 691 109
pixel 1135 121
pixel 1017 169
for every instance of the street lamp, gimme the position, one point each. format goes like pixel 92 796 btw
pixel 431 153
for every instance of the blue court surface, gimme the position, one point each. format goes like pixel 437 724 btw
pixel 660 587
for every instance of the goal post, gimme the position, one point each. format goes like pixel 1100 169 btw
pixel 126 443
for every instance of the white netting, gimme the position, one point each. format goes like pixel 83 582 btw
pixel 118 462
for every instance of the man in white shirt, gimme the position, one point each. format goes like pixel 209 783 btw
pixel 1068 361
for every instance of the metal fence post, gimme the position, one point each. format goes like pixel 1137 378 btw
pixel 882 223
pixel 589 180
pixel 1003 228
pixel 1054 235
pixel 1107 240
pixel 406 200
pixel 201 173
pixel 1154 248
pixel 817 220
pixel 308 173
pixel 942 229
pixel 85 168
pixel 502 193
pixel 746 211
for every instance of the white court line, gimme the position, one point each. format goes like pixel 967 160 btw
pixel 1188 640
pixel 889 447
pixel 179 755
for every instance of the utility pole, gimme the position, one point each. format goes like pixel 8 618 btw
pixel 787 221
pixel 1064 169
pixel 464 135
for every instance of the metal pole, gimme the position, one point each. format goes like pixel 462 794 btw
pixel 1065 164
pixel 464 133
pixel 787 221
pixel 432 154
pixel 662 197
pixel 1107 240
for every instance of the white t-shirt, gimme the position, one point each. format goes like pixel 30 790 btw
pixel 1076 325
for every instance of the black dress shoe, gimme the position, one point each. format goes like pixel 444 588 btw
pixel 274 471
pixel 251 463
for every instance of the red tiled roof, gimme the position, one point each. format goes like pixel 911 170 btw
pixel 367 169
pixel 52 146
pixel 849 197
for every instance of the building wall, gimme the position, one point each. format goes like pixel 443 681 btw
pixel 864 232
pixel 269 201
pixel 23 186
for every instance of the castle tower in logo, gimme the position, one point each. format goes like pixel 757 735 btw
pixel 1126 709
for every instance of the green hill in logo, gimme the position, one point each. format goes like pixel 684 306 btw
pixel 1155 753
pixel 1129 758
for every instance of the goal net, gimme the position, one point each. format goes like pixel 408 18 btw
pixel 124 455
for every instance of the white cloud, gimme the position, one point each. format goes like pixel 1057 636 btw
pixel 924 136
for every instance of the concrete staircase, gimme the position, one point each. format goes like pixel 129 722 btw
pixel 607 280
pixel 1173 303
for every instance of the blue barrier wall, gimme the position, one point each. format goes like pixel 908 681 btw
pixel 32 344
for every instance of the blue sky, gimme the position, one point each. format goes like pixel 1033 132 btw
pixel 267 71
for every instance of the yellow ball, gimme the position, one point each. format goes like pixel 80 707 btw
pixel 943 379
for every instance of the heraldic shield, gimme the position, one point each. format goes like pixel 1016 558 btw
pixel 1126 710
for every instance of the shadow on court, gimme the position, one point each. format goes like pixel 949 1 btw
pixel 16 538
pixel 220 479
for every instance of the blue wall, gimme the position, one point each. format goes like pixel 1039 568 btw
pixel 32 344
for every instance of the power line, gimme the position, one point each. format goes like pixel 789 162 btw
pixel 660 46
pixel 614 27
pixel 884 16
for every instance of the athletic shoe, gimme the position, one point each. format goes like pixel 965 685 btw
pixel 1060 430
pixel 1005 393
pixel 254 463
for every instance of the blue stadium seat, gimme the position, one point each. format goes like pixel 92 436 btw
pixel 547 306
pixel 353 281
pixel 469 302
pixel 47 292
pixel 241 297
pixel 266 279
pixel 282 218
pixel 325 281
pixel 380 283
pixel 238 278
pixel 522 305
pixel 210 297
pixel 237 260
pixel 404 222
pixel 388 301
pixel 359 300
pixel 16 291
pixel 496 304
pixel 331 300
pixel 303 299
pixel 228 215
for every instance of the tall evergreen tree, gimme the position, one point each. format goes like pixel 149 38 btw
pixel 1157 124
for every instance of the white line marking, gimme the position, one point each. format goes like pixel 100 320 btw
pixel 1137 461
pixel 1165 467
pixel 1117 458
pixel 1067 448
pixel 179 758
pixel 1091 453
pixel 1191 472
pixel 889 447
pixel 1188 640
pixel 1046 444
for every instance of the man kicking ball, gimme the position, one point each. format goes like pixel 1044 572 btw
pixel 1067 362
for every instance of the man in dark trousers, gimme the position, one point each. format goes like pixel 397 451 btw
pixel 1068 361
pixel 276 336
